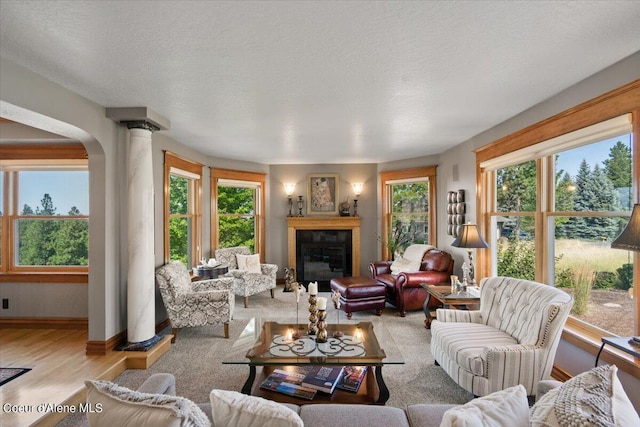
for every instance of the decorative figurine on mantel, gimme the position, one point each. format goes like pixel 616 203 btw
pixel 345 207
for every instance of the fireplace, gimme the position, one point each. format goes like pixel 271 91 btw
pixel 322 255
pixel 323 248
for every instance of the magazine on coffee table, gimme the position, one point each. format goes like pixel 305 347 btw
pixel 351 378
pixel 323 378
pixel 288 380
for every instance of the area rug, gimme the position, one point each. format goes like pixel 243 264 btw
pixel 197 355
pixel 8 374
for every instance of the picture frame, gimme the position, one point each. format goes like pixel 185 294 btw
pixel 323 196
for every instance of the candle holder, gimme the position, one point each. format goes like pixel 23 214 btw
pixel 300 203
pixel 322 326
pixel 312 328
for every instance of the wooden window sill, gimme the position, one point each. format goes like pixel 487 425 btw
pixel 591 343
pixel 48 277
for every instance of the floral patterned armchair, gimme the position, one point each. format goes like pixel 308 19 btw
pixel 245 282
pixel 204 302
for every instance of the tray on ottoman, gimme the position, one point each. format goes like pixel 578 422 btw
pixel 359 294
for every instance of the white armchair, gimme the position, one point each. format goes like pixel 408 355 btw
pixel 247 283
pixel 511 340
pixel 204 302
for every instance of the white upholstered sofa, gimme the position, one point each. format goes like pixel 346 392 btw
pixel 512 339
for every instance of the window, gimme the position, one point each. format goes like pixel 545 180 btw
pixel 183 201
pixel 237 206
pixel 583 181
pixel 590 195
pixel 45 212
pixel 408 195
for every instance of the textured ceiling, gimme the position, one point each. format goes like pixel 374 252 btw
pixel 320 82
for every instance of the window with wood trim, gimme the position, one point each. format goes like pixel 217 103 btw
pixel 553 196
pixel 44 214
pixel 183 210
pixel 237 210
pixel 408 208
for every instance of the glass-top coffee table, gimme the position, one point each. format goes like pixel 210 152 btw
pixel 271 344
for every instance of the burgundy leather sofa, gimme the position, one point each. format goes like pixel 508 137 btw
pixel 403 290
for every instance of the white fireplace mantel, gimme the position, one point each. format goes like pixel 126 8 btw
pixel 352 223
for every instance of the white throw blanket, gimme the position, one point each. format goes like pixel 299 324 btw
pixel 410 260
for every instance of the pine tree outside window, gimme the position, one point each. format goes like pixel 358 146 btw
pixel 553 219
pixel 44 211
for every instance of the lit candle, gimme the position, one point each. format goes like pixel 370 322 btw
pixel 357 337
pixel 322 303
pixel 313 288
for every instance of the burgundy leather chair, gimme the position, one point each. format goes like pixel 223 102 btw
pixel 403 290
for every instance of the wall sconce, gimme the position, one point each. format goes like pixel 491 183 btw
pixel 357 189
pixel 289 188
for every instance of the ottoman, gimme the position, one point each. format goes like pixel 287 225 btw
pixel 359 293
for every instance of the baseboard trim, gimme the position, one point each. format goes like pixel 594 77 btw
pixel 100 348
pixel 44 323
pixel 560 374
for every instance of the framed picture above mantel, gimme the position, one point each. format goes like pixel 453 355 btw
pixel 322 194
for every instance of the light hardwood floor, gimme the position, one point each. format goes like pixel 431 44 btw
pixel 59 368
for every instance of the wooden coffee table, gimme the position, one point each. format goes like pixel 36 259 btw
pixel 270 345
pixel 443 294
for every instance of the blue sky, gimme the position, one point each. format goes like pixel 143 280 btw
pixel 67 189
pixel 593 153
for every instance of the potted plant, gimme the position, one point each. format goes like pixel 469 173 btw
pixel 397 240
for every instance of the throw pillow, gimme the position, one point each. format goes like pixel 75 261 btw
pixel 250 263
pixel 231 408
pixel 594 397
pixel 507 407
pixel 119 406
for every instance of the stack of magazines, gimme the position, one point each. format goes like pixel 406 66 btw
pixel 305 381
pixel 288 380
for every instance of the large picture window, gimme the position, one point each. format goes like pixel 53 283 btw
pixel 581 169
pixel 589 195
pixel 183 202
pixel 237 209
pixel 409 196
pixel 45 211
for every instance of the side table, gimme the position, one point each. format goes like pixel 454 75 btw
pixel 443 294
pixel 622 344
pixel 206 272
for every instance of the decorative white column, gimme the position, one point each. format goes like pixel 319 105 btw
pixel 141 316
pixel 141 274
